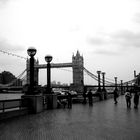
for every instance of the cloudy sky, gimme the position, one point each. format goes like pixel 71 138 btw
pixel 106 33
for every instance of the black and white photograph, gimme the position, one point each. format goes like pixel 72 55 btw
pixel 69 69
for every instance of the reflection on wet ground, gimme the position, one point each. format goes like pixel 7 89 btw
pixel 103 121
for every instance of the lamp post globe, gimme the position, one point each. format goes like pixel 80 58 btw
pixel 31 51
pixel 48 58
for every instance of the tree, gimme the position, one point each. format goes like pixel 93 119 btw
pixel 7 77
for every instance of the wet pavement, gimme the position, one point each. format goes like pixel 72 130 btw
pixel 102 121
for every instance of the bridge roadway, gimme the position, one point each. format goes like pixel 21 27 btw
pixel 103 121
pixel 54 65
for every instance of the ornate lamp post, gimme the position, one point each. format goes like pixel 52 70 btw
pixel 48 59
pixel 135 74
pixel 115 83
pixel 103 74
pixel 31 52
pixel 99 84
pixel 127 86
pixel 121 87
pixel 104 90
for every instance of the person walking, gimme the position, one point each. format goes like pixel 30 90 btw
pixel 128 98
pixel 69 97
pixel 136 99
pixel 115 96
pixel 84 95
pixel 90 98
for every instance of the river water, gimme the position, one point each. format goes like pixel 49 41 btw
pixel 7 96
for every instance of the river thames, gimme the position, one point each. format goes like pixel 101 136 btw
pixel 6 96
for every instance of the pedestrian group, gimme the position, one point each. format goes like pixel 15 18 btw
pixel 128 96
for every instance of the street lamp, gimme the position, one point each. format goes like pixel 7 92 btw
pixel 31 52
pixel 127 86
pixel 48 59
pixel 103 74
pixel 121 86
pixel 135 74
pixel 99 85
pixel 115 83
pixel 104 90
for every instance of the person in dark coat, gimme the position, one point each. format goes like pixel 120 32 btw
pixel 136 99
pixel 115 96
pixel 90 98
pixel 128 98
pixel 69 97
pixel 84 96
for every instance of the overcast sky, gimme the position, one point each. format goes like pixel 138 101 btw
pixel 106 33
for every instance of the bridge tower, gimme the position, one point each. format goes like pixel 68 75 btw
pixel 78 75
pixel 36 62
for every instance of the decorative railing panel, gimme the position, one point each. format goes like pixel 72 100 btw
pixel 11 104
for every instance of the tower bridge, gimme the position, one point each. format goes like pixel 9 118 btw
pixel 77 65
pixel 78 70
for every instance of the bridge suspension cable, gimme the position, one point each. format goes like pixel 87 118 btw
pixel 108 81
pixel 15 80
pixel 93 76
pixel 90 74
pixel 96 77
pixel 12 54
pixel 131 81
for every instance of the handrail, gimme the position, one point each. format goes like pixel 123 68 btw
pixel 11 104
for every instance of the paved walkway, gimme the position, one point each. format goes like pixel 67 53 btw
pixel 103 121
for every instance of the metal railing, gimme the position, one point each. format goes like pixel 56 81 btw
pixel 12 104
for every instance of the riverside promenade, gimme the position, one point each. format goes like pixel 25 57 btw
pixel 103 121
